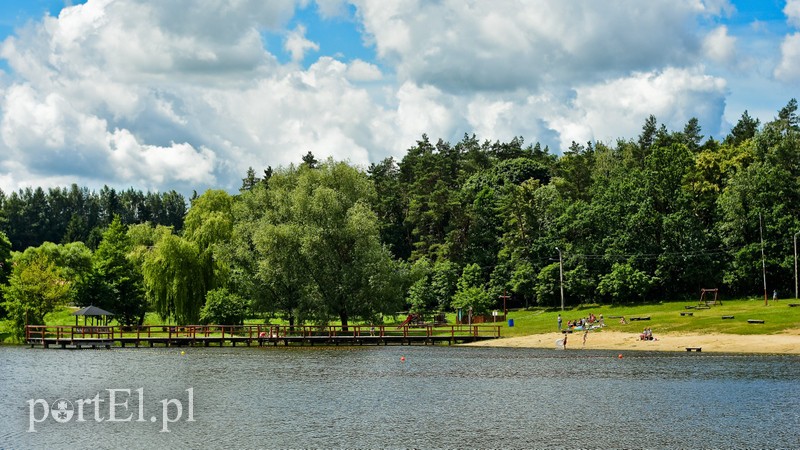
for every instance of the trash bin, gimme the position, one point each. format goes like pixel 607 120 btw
pixel 511 322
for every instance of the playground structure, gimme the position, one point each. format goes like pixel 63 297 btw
pixel 708 302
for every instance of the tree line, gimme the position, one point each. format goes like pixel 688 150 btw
pixel 29 217
pixel 449 226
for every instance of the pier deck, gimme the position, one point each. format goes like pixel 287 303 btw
pixel 249 335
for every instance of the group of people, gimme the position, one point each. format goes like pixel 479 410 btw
pixel 584 323
pixel 647 335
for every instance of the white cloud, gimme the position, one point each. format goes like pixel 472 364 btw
pixel 503 45
pixel 297 44
pixel 424 110
pixel 619 107
pixel 282 117
pixel 792 11
pixel 173 95
pixel 149 164
pixel 719 46
pixel 332 8
pixel 359 70
pixel 45 131
pixel 716 7
pixel 789 67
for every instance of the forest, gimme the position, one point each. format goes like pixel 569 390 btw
pixel 450 225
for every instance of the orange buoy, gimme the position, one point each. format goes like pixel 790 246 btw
pixel 620 356
pixel 403 358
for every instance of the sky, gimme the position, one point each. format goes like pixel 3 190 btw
pixel 187 94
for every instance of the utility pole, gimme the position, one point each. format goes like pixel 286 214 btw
pixel 505 297
pixel 561 276
pixel 795 265
pixel 763 261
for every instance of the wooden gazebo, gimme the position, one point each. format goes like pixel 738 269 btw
pixel 94 313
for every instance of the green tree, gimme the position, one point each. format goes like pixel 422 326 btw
pixel 117 277
pixel 625 284
pixel 5 266
pixel 36 287
pixel 471 292
pixel 548 289
pixel 249 181
pixel 73 261
pixel 691 136
pixel 389 205
pixel 310 161
pixel 223 308
pixel 173 279
pixel 444 282
pixel 421 296
pixel 744 129
pixel 319 238
pixel 209 225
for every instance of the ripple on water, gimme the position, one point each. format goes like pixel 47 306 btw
pixel 437 397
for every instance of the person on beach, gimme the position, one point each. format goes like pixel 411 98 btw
pixel 559 322
pixel 565 341
pixel 585 333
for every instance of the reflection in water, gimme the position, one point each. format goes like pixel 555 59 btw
pixel 436 397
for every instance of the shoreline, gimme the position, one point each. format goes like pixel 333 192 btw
pixel 786 343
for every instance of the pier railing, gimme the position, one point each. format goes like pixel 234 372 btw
pixel 40 333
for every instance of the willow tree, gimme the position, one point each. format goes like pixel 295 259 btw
pixel 173 279
pixel 319 240
pixel 209 226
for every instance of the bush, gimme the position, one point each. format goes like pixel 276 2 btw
pixel 223 308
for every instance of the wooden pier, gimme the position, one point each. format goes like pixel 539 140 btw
pixel 76 337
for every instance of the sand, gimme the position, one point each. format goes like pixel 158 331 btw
pixel 784 343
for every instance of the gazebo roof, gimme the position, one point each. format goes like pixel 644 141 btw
pixel 92 311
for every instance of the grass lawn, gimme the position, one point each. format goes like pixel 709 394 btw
pixel 666 317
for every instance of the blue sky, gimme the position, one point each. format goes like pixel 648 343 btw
pixel 168 95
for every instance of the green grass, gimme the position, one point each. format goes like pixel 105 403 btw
pixel 664 317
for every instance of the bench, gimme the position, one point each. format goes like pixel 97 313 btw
pixel 702 307
pixel 640 318
pixel 754 321
pixel 690 307
pixel 687 314
pixel 694 349
pixel 792 305
pixel 727 317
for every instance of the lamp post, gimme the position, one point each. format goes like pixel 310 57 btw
pixel 795 265
pixel 561 276
pixel 763 260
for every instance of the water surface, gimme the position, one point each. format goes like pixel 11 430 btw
pixel 437 397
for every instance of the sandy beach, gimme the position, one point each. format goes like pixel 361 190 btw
pixel 785 343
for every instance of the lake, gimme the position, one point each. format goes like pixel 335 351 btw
pixel 395 397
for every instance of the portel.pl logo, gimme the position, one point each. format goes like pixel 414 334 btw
pixel 110 407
